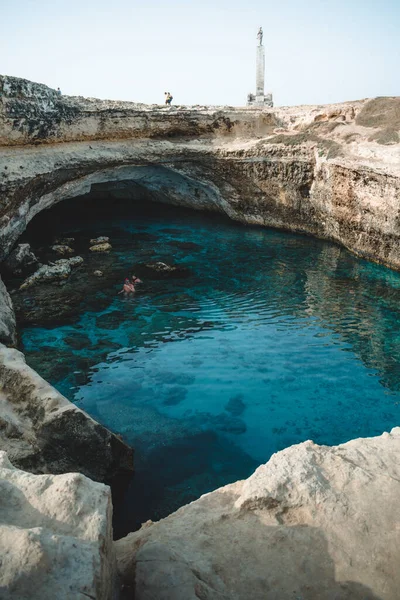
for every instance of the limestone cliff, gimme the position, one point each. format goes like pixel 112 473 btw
pixel 331 171
pixel 314 523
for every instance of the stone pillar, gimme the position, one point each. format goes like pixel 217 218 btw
pixel 260 73
pixel 260 98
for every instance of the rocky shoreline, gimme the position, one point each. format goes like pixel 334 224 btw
pixel 45 433
pixel 314 523
pixel 328 514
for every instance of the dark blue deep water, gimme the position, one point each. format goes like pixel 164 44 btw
pixel 272 339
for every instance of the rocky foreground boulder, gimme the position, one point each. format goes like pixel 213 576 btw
pixel 55 537
pixel 314 523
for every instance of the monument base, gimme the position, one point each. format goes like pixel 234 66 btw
pixel 261 100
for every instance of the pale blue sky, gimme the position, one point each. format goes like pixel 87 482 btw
pixel 317 51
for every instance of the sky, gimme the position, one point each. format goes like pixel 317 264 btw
pixel 317 51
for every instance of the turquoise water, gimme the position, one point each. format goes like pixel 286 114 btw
pixel 271 340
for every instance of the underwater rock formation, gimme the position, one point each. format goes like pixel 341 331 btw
pixel 55 536
pixel 160 270
pixel 314 522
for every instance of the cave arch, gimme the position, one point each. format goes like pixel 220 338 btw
pixel 181 183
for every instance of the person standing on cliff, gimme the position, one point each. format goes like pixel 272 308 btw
pixel 58 92
pixel 168 98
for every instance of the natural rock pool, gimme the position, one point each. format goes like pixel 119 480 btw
pixel 269 339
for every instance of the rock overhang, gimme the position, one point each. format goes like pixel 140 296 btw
pixel 281 167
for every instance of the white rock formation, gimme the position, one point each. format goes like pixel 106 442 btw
pixel 103 247
pixel 55 537
pixel 58 271
pixel 314 523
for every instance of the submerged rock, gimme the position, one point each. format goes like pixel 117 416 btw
pixel 62 249
pixel 55 536
pixel 175 395
pixel 185 245
pixel 50 302
pixel 313 523
pixel 110 320
pixel 77 341
pixel 226 423
pixel 65 241
pixel 161 270
pixel 235 405
pixel 58 271
pixel 47 304
pixel 103 247
pixel 21 260
pixel 103 239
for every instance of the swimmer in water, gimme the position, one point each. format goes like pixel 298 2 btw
pixel 127 288
pixel 136 280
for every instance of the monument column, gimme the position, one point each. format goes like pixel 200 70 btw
pixel 260 98
pixel 260 71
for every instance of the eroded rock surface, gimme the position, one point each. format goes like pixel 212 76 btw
pixel 331 171
pixel 21 260
pixel 45 433
pixel 102 247
pixel 55 537
pixel 314 523
pixel 8 328
pixel 58 271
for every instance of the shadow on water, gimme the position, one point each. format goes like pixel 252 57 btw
pixel 175 474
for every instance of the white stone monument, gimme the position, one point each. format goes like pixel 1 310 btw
pixel 260 98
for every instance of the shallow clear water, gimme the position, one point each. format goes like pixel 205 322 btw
pixel 273 339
